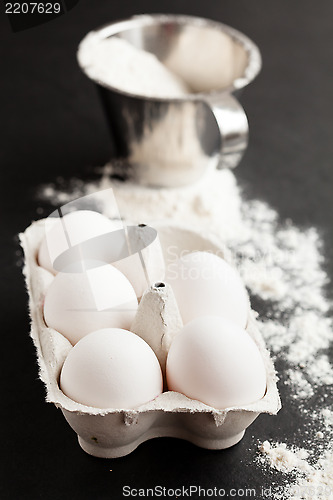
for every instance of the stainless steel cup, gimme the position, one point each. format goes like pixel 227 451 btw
pixel 173 141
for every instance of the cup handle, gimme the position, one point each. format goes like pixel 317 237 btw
pixel 233 126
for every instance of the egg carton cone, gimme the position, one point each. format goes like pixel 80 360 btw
pixel 112 433
pixel 158 321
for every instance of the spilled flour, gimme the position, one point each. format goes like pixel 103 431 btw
pixel 311 481
pixel 282 267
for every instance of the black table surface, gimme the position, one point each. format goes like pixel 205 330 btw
pixel 52 125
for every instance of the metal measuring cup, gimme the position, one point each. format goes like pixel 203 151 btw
pixel 174 141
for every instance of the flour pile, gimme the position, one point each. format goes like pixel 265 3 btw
pixel 282 267
pixel 118 63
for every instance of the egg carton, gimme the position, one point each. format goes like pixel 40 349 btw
pixel 112 433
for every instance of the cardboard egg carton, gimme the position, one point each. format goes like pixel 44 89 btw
pixel 111 433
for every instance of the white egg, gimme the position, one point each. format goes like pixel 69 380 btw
pixel 215 361
pixel 205 284
pixel 111 368
pixel 80 226
pixel 78 303
pixel 84 225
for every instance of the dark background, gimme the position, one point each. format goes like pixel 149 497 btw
pixel 51 125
